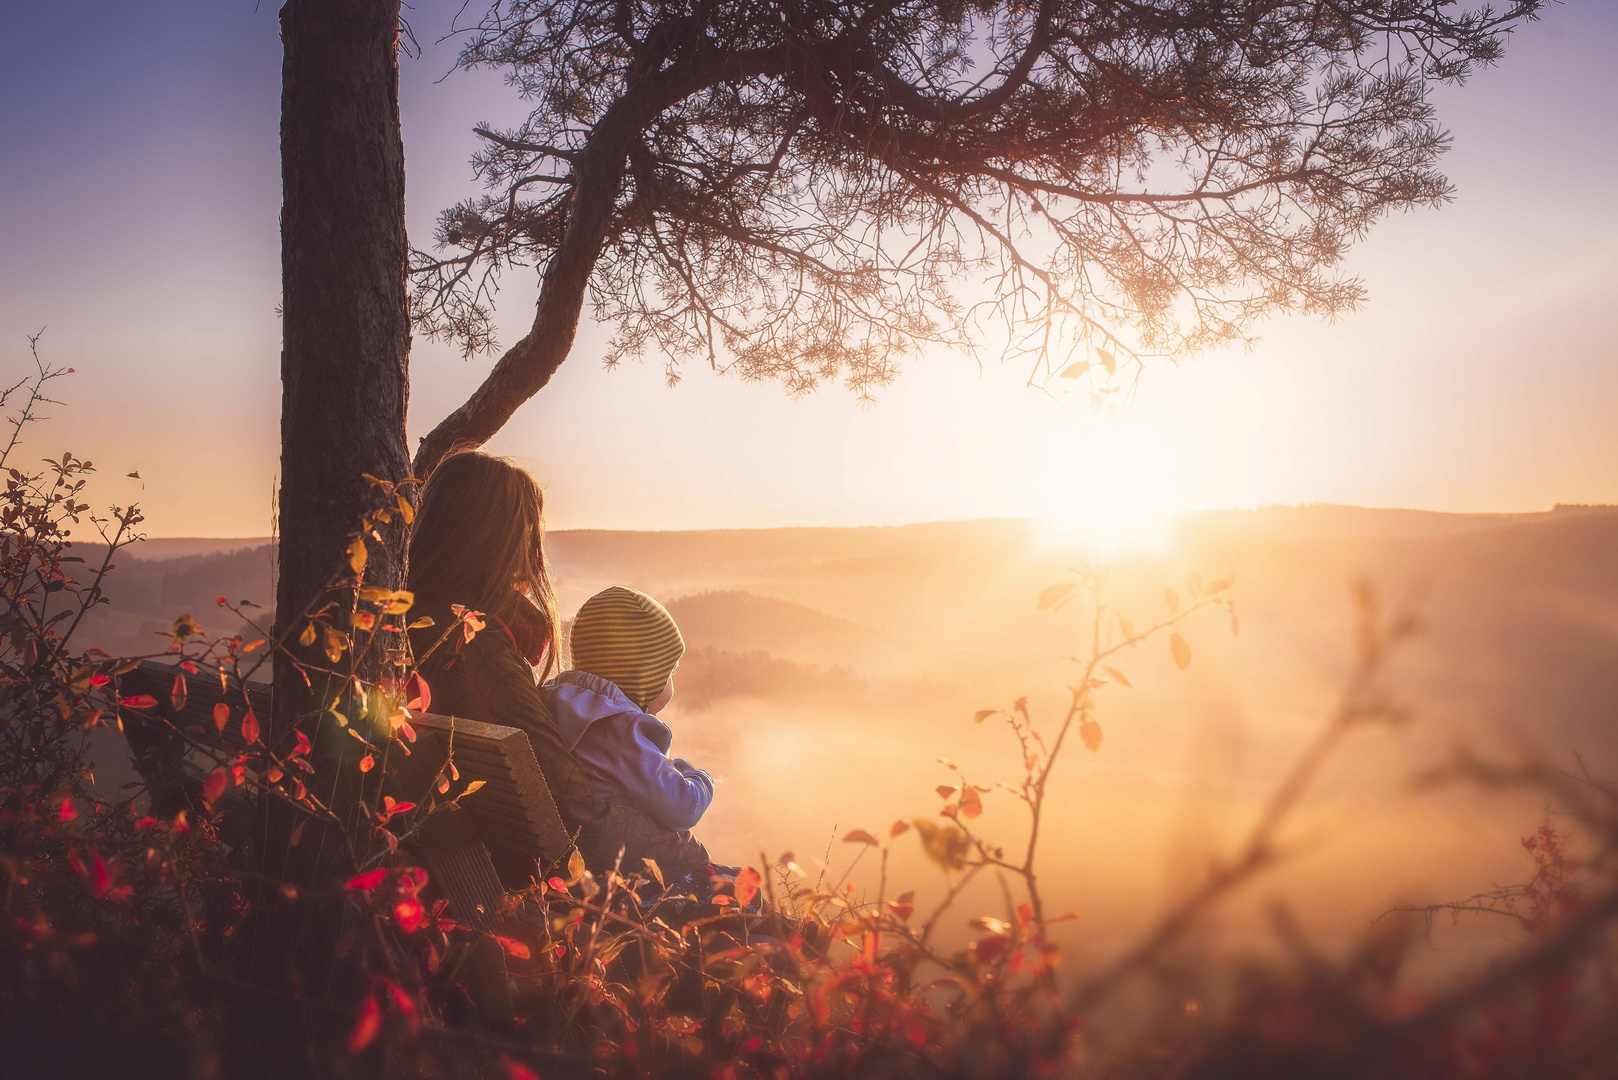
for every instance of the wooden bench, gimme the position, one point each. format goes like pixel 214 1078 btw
pixel 512 821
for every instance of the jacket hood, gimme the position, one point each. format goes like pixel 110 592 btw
pixel 579 699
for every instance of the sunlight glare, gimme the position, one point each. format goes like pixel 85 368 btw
pixel 1109 487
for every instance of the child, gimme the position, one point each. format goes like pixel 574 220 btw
pixel 625 648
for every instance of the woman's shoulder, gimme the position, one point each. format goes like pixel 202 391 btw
pixel 483 679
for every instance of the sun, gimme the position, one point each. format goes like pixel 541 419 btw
pixel 1109 487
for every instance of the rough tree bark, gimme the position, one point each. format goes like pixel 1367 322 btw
pixel 345 347
pixel 345 317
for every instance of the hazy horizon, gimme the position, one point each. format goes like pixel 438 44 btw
pixel 1477 376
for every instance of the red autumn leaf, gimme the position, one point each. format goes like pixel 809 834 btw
pixel 221 716
pixel 100 680
pixel 367 881
pixel 418 695
pixel 214 786
pixel 397 808
pixel 516 1070
pixel 409 914
pixel 220 600
pixel 515 948
pixel 94 871
pixel 412 879
pixel 366 1025
pixel 139 701
pixel 177 693
pixel 303 743
pixel 142 824
pixel 66 812
pixel 747 883
pixel 367 763
pixel 250 727
pixel 987 948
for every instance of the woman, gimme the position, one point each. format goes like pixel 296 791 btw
pixel 478 541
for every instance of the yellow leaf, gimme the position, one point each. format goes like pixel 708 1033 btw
pixel 307 638
pixel 945 845
pixel 357 554
pixel 336 642
pixel 982 715
pixel 376 594
pixel 473 786
pixel 656 871
pixel 362 620
pixel 575 867
pixel 1128 628
pixel 1180 650
pixel 417 624
pixel 1073 371
pixel 1107 360
pixel 401 602
pixel 406 511
pixel 860 836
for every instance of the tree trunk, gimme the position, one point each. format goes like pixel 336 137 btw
pixel 345 384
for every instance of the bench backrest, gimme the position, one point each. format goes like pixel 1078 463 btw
pixel 513 814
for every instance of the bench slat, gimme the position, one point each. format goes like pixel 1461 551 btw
pixel 514 815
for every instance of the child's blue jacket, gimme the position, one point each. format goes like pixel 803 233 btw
pixel 624 750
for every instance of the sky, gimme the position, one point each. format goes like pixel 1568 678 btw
pixel 139 201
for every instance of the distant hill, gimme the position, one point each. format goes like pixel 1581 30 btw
pixel 744 622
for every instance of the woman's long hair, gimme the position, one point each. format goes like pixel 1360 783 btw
pixel 479 540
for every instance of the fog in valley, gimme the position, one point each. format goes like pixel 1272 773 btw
pixel 828 671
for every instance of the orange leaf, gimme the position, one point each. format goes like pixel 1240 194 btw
pixel 1054 595
pixel 366 1025
pixel 1118 677
pixel 221 716
pixel 860 836
pixel 404 1003
pixel 515 948
pixel 1090 732
pixel 177 694
pixel 250 727
pixel 139 701
pixel 214 786
pixel 1180 650
pixel 367 763
pixel 747 883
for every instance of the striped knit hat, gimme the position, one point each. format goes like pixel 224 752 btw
pixel 628 639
